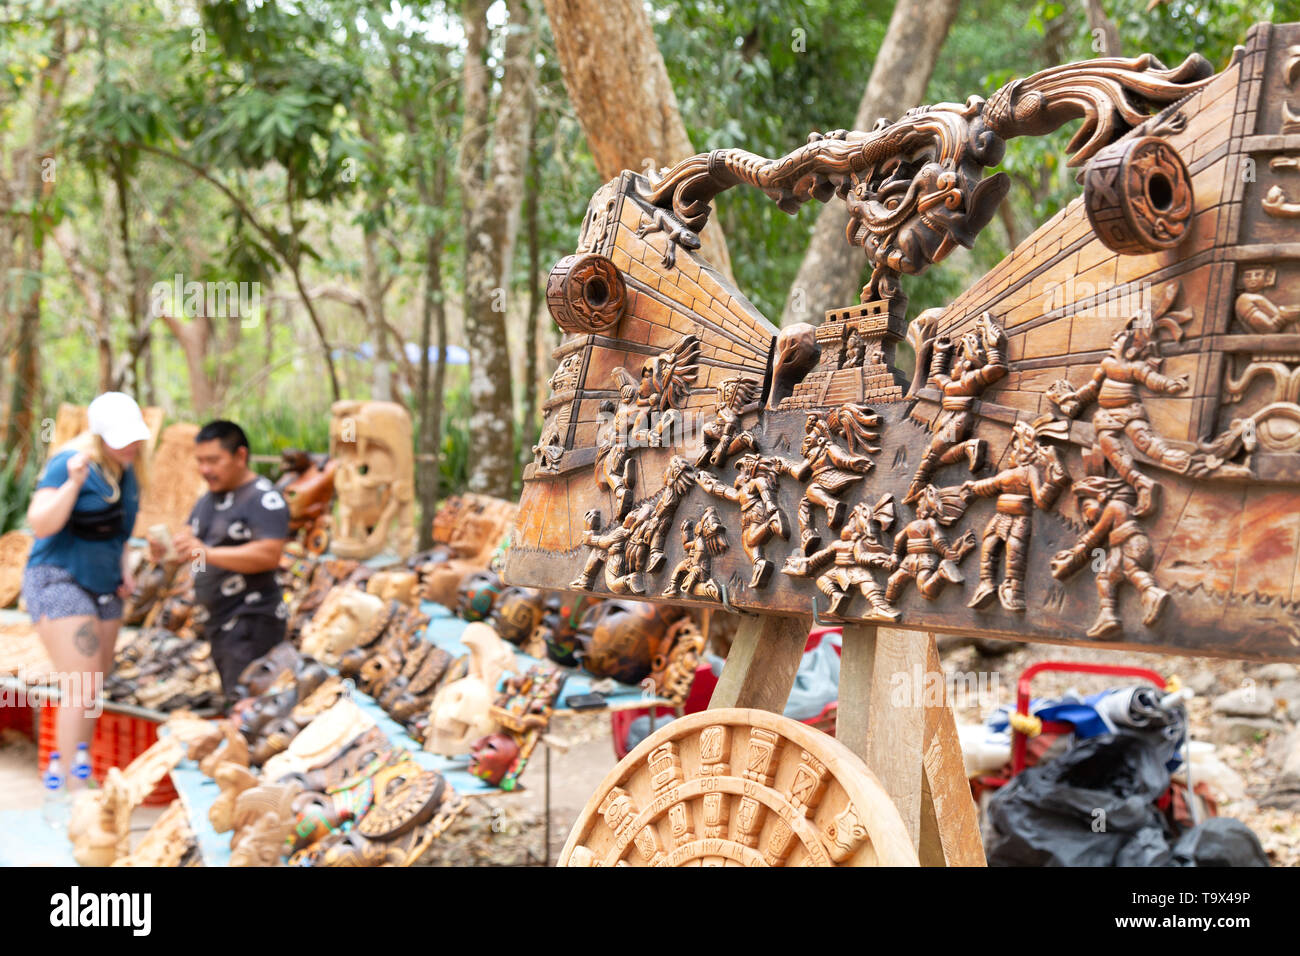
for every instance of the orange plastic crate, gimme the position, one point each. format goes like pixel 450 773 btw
pixel 118 740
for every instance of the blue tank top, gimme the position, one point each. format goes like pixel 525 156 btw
pixel 95 565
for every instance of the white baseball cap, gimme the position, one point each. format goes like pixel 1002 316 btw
pixel 116 418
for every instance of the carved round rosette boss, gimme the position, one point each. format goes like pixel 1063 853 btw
pixel 586 294
pixel 1138 194
pixel 739 787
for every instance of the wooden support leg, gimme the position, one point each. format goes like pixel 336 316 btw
pixel 889 738
pixel 950 833
pixel 894 714
pixel 762 663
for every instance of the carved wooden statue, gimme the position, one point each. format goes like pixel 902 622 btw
pixel 374 478
pixel 1141 346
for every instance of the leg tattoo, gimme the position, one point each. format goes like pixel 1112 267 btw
pixel 85 640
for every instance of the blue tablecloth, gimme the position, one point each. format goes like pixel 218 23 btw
pixel 198 792
pixel 445 630
pixel 27 840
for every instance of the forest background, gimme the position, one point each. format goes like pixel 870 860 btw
pixel 374 193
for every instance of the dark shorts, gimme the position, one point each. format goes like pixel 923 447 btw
pixel 239 641
pixel 51 592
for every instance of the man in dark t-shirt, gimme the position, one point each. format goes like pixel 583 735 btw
pixel 234 540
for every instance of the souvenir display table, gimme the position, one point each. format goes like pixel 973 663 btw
pixel 197 791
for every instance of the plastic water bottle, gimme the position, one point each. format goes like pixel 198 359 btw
pixel 55 808
pixel 80 779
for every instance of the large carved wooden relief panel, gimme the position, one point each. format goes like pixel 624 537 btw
pixel 1100 441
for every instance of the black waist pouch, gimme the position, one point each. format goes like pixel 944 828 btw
pixel 97 525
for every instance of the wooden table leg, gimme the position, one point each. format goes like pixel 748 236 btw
pixel 762 663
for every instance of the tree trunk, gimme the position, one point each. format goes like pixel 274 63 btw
pixel 535 283
pixel 373 286
pixel 25 387
pixel 1105 34
pixel 91 285
pixel 429 475
pixel 490 190
pixel 619 86
pixel 831 272
pixel 193 338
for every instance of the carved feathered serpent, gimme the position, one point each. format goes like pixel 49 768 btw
pixel 915 188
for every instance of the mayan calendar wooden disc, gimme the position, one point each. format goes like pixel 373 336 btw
pixel 405 796
pixel 739 787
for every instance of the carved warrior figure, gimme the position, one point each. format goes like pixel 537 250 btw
pixel 609 548
pixel 646 410
pixel 645 550
pixel 1133 361
pixel 979 362
pixel 755 491
pixel 1256 311
pixel 723 437
pixel 921 550
pixel 1107 504
pixel 832 471
pixel 701 540
pixel 1034 479
pixel 550 447
pixel 855 351
pixel 851 558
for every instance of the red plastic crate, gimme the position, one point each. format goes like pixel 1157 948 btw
pixel 19 717
pixel 118 740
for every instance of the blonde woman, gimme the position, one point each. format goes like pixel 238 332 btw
pixel 82 513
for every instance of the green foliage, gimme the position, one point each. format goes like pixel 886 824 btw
pixel 453 458
pixel 273 429
pixel 16 487
pixel 332 119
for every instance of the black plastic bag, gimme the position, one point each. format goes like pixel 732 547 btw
pixel 1092 806
pixel 1095 805
pixel 1219 841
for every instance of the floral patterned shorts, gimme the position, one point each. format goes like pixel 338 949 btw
pixel 51 592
